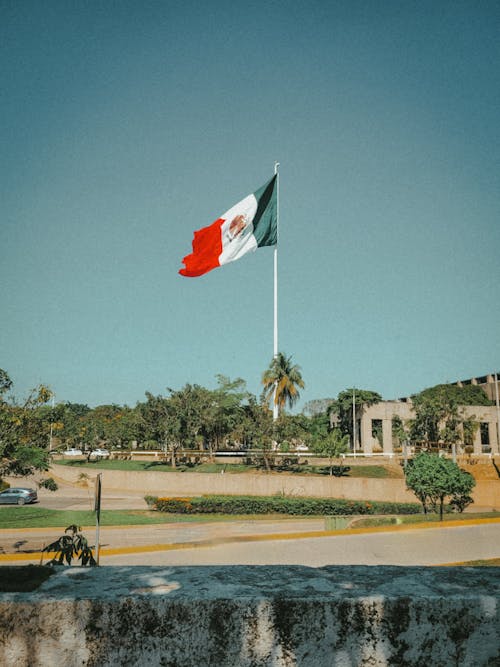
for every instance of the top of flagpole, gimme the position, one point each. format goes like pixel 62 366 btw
pixel 276 167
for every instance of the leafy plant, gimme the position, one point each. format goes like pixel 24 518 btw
pixel 280 505
pixel 432 479
pixel 71 545
pixel 48 483
pixel 332 446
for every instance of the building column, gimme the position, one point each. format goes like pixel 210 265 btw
pixel 366 435
pixel 478 449
pixel 387 436
pixel 492 432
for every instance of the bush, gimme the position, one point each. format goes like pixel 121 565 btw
pixel 4 485
pixel 280 505
pixel 151 501
pixel 48 483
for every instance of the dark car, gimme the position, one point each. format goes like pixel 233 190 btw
pixel 18 496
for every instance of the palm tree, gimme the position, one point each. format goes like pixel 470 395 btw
pixel 281 381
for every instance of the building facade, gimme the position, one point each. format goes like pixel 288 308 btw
pixel 374 423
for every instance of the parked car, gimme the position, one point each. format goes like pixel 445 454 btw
pixel 73 452
pixel 18 496
pixel 99 454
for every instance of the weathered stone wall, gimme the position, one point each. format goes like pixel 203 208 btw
pixel 255 617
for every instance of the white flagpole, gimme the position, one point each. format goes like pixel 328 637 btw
pixel 354 422
pixel 498 412
pixel 276 167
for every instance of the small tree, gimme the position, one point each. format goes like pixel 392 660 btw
pixel 71 545
pixel 433 479
pixel 332 446
pixel 24 430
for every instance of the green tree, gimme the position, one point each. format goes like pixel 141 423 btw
pixel 399 432
pixel 221 410
pixel 160 422
pixel 24 430
pixel 433 479
pixel 333 446
pixel 341 409
pixel 292 430
pixel 438 414
pixel 113 425
pixel 254 429
pixel 282 381
pixel 69 422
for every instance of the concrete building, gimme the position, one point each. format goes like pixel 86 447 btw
pixel 374 432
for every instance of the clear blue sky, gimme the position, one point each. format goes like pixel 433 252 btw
pixel 126 126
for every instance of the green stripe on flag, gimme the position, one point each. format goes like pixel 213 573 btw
pixel 265 222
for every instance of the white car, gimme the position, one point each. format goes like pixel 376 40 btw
pixel 73 452
pixel 99 454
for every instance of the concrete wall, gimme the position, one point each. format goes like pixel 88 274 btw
pixel 486 494
pixel 193 483
pixel 255 617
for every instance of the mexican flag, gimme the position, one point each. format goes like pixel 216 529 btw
pixel 248 225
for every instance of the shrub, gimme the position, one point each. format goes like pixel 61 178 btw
pixel 174 505
pixel 280 505
pixel 151 501
pixel 48 483
pixel 4 485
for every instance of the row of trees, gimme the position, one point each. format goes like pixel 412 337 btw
pixel 197 418
pixel 193 417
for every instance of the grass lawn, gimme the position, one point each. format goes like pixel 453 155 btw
pixel 28 516
pixel 157 466
pixel 373 471
pixel 368 522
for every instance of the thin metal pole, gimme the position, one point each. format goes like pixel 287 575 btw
pixel 97 507
pixel 51 423
pixel 498 412
pixel 354 421
pixel 275 348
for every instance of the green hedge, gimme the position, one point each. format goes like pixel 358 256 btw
pixel 280 505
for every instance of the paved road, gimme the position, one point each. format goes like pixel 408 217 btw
pixel 434 546
pixel 269 543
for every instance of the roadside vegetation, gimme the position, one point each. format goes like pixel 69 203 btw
pixel 291 505
pixel 373 522
pixel 38 517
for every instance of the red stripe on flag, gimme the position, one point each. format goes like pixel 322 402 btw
pixel 207 246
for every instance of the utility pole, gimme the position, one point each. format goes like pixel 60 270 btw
pixel 498 411
pixel 354 422
pixel 51 423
